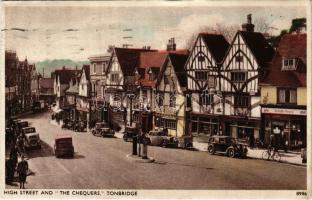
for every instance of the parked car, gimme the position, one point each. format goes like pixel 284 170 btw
pixel 129 133
pixel 304 155
pixel 32 138
pixel 227 145
pixel 21 125
pixel 63 146
pixel 103 129
pixel 161 138
pixel 186 141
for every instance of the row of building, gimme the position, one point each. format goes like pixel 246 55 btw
pixel 244 88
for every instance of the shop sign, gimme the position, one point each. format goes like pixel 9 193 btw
pixel 283 111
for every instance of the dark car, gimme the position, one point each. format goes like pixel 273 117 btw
pixel 129 133
pixel 103 129
pixel 21 125
pixel 63 146
pixel 227 145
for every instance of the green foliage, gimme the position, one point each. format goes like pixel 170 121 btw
pixel 297 23
pixel 50 65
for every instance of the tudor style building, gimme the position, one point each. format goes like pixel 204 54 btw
pixel 121 81
pixel 241 71
pixel 203 84
pixel 169 98
pixel 284 92
pixel 84 88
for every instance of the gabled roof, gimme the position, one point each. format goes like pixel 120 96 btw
pixel 47 83
pixel 178 61
pixel 65 75
pixel 128 59
pixel 290 46
pixel 86 69
pixel 74 89
pixel 150 61
pixel 216 44
pixel 154 61
pixel 259 46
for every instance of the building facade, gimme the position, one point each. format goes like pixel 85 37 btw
pixel 203 85
pixel 170 103
pixel 284 93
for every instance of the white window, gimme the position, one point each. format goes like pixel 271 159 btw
pixel 172 100
pixel 114 78
pixel 286 95
pixel 94 68
pixel 289 64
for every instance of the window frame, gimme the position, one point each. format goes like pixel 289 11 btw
pixel 289 64
pixel 201 75
pixel 238 77
pixel 287 95
pixel 241 101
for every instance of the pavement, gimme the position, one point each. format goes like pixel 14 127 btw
pixel 104 163
pixel 291 157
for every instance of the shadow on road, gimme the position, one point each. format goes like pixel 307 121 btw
pixel 78 156
pixel 45 151
pixel 182 164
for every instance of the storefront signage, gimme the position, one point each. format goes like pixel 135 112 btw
pixel 83 105
pixel 283 111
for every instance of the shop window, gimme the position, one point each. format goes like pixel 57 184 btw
pixel 241 101
pixel 170 124
pixel 286 96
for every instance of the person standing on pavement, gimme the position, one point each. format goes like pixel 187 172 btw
pixel 22 169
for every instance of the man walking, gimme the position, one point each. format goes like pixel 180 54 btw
pixel 22 168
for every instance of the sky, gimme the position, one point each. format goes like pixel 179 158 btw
pixel 64 32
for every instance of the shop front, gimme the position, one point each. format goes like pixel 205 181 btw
pixel 203 126
pixel 287 125
pixel 242 128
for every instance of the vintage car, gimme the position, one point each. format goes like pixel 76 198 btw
pixel 186 141
pixel 129 133
pixel 63 146
pixel 161 138
pixel 21 125
pixel 227 145
pixel 32 139
pixel 103 129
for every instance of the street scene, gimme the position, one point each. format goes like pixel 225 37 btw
pixel 104 102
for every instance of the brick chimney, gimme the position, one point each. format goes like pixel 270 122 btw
pixel 171 46
pixel 248 26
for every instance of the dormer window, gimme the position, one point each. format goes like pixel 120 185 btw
pixel 289 64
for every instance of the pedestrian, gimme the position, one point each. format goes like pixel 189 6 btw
pixel 284 142
pixel 10 169
pixel 14 155
pixel 22 169
pixel 20 144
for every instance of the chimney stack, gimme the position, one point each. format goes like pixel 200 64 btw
pixel 171 46
pixel 249 27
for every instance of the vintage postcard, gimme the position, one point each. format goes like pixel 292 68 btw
pixel 156 99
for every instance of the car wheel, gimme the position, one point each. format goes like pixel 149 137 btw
pixel 163 143
pixel 211 149
pixel 231 153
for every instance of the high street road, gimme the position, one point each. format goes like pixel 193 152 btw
pixel 102 163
